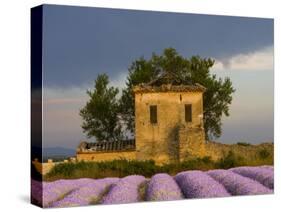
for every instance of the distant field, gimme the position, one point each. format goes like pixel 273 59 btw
pixel 162 186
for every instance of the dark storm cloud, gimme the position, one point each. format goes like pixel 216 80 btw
pixel 80 42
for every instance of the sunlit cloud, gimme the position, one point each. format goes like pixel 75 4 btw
pixel 77 94
pixel 262 59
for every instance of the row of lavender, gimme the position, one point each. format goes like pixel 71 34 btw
pixel 135 188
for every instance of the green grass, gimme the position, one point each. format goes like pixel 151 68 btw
pixel 121 168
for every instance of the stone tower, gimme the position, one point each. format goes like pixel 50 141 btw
pixel 168 120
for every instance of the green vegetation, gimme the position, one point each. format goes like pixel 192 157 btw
pixel 243 144
pixel 264 154
pixel 100 114
pixel 181 70
pixel 230 160
pixel 122 167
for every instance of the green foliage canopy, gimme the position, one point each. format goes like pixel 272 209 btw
pixel 100 114
pixel 217 97
pixel 104 112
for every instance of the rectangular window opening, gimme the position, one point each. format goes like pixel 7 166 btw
pixel 153 114
pixel 188 113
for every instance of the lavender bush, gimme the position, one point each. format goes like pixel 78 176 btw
pixel 54 191
pixel 125 190
pixel 87 194
pixel 267 167
pixel 197 184
pixel 134 188
pixel 163 187
pixel 263 174
pixel 237 184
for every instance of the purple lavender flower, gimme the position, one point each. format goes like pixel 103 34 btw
pixel 163 187
pixel 191 184
pixel 267 167
pixel 237 184
pixel 54 191
pixel 125 190
pixel 197 184
pixel 88 194
pixel 262 174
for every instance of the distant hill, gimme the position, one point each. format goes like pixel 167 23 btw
pixel 58 152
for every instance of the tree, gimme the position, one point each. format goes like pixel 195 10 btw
pixel 217 97
pixel 100 114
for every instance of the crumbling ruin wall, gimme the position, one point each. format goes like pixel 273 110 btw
pixel 191 142
pixel 217 150
pixel 106 156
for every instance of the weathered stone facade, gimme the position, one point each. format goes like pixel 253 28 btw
pixel 216 150
pixel 172 137
pixel 192 142
pixel 106 156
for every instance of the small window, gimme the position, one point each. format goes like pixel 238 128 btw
pixel 153 114
pixel 188 113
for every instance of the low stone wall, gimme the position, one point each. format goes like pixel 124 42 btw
pixel 190 146
pixel 106 156
pixel 218 150
pixel 192 143
pixel 44 168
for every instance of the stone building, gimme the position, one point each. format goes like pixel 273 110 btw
pixel 168 120
pixel 168 125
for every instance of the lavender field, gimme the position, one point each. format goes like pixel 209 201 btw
pixel 160 187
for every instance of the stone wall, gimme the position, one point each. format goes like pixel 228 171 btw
pixel 160 141
pixel 44 168
pixel 192 142
pixel 106 156
pixel 217 150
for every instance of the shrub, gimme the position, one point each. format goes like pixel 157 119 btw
pixel 123 167
pixel 206 159
pixel 163 187
pixel 243 144
pixel 197 184
pixel 204 163
pixel 229 161
pixel 237 184
pixel 115 168
pixel 264 154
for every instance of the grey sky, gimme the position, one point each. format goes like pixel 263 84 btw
pixel 81 42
